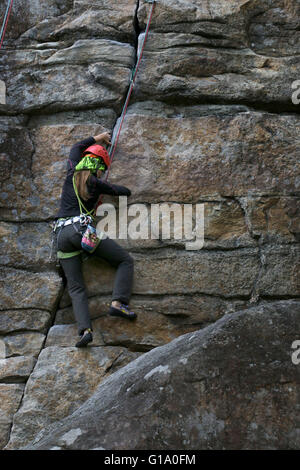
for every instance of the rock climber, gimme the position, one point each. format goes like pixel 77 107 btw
pixel 87 162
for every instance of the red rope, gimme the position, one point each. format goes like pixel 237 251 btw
pixel 6 22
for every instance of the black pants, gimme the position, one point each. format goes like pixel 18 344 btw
pixel 69 239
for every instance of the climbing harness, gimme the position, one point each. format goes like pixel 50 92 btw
pixel 132 82
pixel 90 238
pixel 60 224
pixel 5 21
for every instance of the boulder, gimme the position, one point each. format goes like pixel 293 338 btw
pixel 231 385
pixel 63 379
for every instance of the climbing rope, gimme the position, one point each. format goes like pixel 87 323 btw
pixel 132 82
pixel 5 21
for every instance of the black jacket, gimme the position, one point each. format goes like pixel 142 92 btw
pixel 69 206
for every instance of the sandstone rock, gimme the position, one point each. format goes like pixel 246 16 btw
pixel 16 369
pixel 188 157
pixel 20 320
pixel 224 224
pixel 218 16
pixel 160 320
pixel 109 19
pixel 24 289
pixel 207 52
pixel 211 121
pixel 67 335
pixel 97 304
pixel 33 192
pixel 229 223
pixel 25 15
pixel 171 72
pixel 23 344
pixel 16 185
pixel 183 310
pixel 282 263
pixel 149 331
pixel 229 386
pixel 168 272
pixel 101 69
pixel 273 28
pixel 10 397
pixel 26 244
pixel 275 218
pixel 230 273
pixel 64 377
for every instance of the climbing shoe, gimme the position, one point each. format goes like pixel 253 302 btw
pixel 84 340
pixel 123 312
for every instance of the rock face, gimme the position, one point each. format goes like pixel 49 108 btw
pixel 212 124
pixel 231 385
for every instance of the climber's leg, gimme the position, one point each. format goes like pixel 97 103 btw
pixel 118 257
pixel 73 271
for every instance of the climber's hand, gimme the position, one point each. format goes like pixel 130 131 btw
pixel 121 190
pixel 104 137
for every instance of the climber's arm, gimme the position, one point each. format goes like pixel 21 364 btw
pixel 103 187
pixel 104 138
pixel 80 147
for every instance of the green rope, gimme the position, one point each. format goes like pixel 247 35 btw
pixel 81 205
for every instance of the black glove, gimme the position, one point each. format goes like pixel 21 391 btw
pixel 121 190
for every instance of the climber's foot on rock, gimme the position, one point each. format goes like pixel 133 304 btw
pixel 117 309
pixel 86 338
